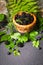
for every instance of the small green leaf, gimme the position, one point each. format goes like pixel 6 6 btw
pixel 5 37
pixel 1 32
pixel 16 53
pixel 33 34
pixel 1 17
pixel 16 35
pixel 36 44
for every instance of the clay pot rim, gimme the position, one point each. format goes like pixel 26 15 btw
pixel 28 25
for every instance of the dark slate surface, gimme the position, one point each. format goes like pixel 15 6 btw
pixel 29 55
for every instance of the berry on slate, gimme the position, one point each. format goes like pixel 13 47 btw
pixel 41 32
pixel 40 48
pixel 9 53
pixel 38 37
pixel 20 45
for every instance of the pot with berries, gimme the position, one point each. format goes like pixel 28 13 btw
pixel 24 21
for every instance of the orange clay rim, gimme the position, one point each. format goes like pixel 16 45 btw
pixel 28 25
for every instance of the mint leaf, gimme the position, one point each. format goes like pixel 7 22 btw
pixel 33 34
pixel 1 17
pixel 15 35
pixel 2 32
pixel 16 53
pixel 5 37
pixel 36 44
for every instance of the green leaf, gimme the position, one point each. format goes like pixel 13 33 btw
pixel 2 32
pixel 23 39
pixel 1 17
pixel 33 34
pixel 16 53
pixel 5 37
pixel 36 44
pixel 15 35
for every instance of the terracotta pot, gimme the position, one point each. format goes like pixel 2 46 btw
pixel 24 28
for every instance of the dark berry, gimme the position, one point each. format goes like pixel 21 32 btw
pixel 20 45
pixel 41 32
pixel 28 15
pixel 38 37
pixel 31 18
pixel 17 16
pixel 24 22
pixel 23 15
pixel 7 42
pixel 10 48
pixel 9 53
pixel 40 48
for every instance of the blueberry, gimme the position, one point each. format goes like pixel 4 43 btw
pixel 40 48
pixel 20 45
pixel 38 37
pixel 28 15
pixel 24 22
pixel 9 53
pixel 41 32
pixel 31 18
pixel 17 17
pixel 23 15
